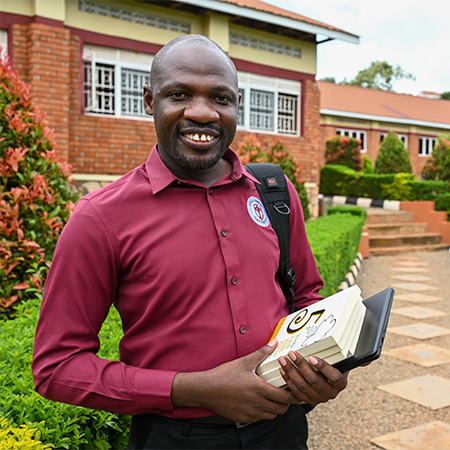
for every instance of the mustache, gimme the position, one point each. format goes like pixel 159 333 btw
pixel 202 126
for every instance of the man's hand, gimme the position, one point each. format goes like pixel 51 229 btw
pixel 233 390
pixel 308 385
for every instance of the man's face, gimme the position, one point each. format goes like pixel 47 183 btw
pixel 195 104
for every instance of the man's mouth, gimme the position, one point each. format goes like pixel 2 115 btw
pixel 197 137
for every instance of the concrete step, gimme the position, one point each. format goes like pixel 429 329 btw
pixel 407 249
pixel 378 229
pixel 401 240
pixel 386 216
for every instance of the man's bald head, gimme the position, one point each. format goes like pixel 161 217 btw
pixel 197 39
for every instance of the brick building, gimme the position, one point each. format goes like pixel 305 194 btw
pixel 369 114
pixel 87 61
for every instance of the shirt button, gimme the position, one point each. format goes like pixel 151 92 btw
pixel 224 232
pixel 210 192
pixel 242 330
pixel 234 280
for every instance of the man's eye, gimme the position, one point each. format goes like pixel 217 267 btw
pixel 222 99
pixel 178 95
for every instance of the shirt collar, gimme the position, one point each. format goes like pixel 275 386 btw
pixel 161 177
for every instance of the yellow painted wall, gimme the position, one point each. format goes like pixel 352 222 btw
pixel 22 7
pixel 130 30
pixel 307 63
pixel 216 27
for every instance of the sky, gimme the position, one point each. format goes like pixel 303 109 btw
pixel 413 34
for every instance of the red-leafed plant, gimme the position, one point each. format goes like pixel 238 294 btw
pixel 345 151
pixel 249 151
pixel 36 195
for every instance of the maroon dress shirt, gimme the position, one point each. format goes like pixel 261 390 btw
pixel 192 272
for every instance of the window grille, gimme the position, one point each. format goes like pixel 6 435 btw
pixel 132 87
pixel 287 114
pixel 113 81
pixel 3 43
pixel 262 110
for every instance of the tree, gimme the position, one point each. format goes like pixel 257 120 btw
pixel 437 166
pixel 445 95
pixel 36 196
pixel 344 151
pixel 393 157
pixel 328 79
pixel 380 75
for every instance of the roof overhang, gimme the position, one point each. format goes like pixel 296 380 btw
pixel 400 120
pixel 263 17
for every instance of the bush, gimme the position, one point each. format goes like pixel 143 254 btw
pixel 393 157
pixel 399 189
pixel 344 151
pixel 249 151
pixel 442 202
pixel 368 166
pixel 355 210
pixel 36 197
pixel 335 241
pixel 58 425
pixel 437 166
pixel 341 180
pixel 18 438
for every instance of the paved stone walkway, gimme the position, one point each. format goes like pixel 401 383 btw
pixel 401 401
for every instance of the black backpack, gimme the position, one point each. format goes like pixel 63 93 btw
pixel 274 194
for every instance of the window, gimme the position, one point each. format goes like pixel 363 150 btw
pixel 362 135
pixel 270 105
pixel 3 43
pixel 426 145
pixel 403 137
pixel 113 81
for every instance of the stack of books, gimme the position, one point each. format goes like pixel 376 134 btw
pixel 329 329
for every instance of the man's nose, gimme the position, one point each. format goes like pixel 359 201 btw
pixel 201 110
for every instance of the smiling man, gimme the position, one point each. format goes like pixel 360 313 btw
pixel 193 273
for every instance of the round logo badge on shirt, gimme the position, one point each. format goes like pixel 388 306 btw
pixel 257 211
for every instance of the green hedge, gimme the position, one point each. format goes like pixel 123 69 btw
pixel 355 210
pixel 58 425
pixel 335 241
pixel 341 180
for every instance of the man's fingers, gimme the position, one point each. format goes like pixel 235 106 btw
pixel 261 354
pixel 336 378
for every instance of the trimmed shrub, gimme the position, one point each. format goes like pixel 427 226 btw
pixel 249 151
pixel 393 157
pixel 437 166
pixel 442 202
pixel 341 180
pixel 344 151
pixel 368 166
pixel 36 196
pixel 335 241
pixel 399 189
pixel 58 425
pixel 355 210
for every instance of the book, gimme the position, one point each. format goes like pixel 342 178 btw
pixel 329 328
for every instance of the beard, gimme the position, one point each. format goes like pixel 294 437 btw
pixel 199 161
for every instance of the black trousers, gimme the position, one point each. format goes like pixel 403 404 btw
pixel 287 431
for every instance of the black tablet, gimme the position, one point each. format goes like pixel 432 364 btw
pixel 373 331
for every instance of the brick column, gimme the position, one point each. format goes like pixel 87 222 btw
pixel 41 56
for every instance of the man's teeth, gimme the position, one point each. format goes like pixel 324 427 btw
pixel 200 138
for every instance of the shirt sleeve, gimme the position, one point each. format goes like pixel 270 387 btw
pixel 308 280
pixel 79 291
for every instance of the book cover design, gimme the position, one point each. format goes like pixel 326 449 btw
pixel 327 326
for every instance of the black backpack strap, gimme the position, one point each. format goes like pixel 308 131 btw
pixel 274 193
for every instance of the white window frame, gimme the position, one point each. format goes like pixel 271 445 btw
pixel 426 145
pixel 119 60
pixel 278 88
pixel 358 134
pixel 4 43
pixel 403 137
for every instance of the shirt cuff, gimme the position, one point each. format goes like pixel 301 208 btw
pixel 152 390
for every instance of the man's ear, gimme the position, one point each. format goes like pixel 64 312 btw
pixel 148 100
